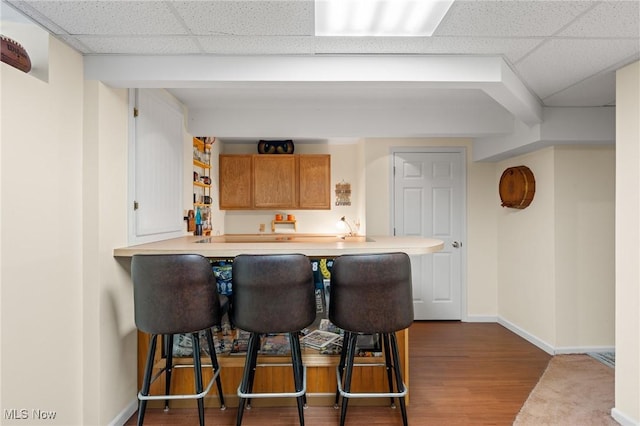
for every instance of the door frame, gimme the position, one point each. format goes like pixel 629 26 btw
pixel 463 226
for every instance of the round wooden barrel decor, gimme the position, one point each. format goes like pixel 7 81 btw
pixel 517 187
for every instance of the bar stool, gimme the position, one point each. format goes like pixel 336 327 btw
pixel 371 294
pixel 273 294
pixel 176 294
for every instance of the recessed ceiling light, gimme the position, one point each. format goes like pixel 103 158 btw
pixel 379 17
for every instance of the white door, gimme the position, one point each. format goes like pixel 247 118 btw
pixel 429 194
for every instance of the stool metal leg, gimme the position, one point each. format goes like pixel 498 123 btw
pixel 168 350
pixel 296 337
pixel 146 383
pixel 351 352
pixel 249 370
pixel 197 367
pixel 253 364
pixel 388 364
pixel 343 354
pixel 398 371
pixel 296 359
pixel 216 366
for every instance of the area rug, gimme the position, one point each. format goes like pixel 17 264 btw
pixel 573 390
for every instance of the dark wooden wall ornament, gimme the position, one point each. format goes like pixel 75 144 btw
pixel 517 187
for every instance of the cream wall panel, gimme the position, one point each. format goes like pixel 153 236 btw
pixel 41 237
pixel 482 241
pixel 526 252
pixel 585 255
pixel 556 257
pixel 628 244
pixel 116 337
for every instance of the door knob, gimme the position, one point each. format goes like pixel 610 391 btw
pixel 456 244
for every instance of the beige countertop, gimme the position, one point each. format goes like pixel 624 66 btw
pixel 282 243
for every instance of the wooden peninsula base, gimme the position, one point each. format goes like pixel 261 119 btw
pixel 321 377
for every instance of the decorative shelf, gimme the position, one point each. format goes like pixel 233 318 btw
pixel 200 184
pixel 201 164
pixel 283 222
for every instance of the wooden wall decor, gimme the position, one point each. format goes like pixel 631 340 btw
pixel 517 187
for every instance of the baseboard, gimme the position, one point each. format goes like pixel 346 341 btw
pixel 584 349
pixel 527 336
pixel 480 318
pixel 125 414
pixel 622 418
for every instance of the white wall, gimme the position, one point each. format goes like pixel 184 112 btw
pixel 109 337
pixel 41 240
pixel 627 245
pixel 68 338
pixel 526 252
pixel 584 246
pixel 555 258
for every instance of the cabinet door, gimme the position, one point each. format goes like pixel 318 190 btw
pixel 274 181
pixel 235 182
pixel 315 182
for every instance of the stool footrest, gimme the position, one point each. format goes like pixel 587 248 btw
pixel 277 394
pixel 179 396
pixel 401 393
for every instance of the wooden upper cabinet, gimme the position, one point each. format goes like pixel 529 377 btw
pixel 279 181
pixel 315 182
pixel 234 182
pixel 274 181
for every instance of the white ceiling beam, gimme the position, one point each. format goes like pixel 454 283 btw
pixel 561 126
pixel 328 122
pixel 489 74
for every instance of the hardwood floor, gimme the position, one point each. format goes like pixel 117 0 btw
pixel 460 374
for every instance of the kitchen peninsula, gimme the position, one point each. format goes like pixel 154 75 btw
pixel 312 245
pixel 321 376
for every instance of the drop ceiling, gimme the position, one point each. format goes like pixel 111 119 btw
pixel 555 53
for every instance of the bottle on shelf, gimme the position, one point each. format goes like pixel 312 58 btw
pixel 198 230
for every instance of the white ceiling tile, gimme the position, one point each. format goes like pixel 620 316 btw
pixel 597 90
pixel 247 45
pixel 597 22
pixel 36 16
pixel 559 63
pixel 139 45
pixel 510 17
pixel 111 17
pixel 286 17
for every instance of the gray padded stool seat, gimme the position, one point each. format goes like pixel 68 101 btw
pixel 371 294
pixel 175 294
pixel 272 294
